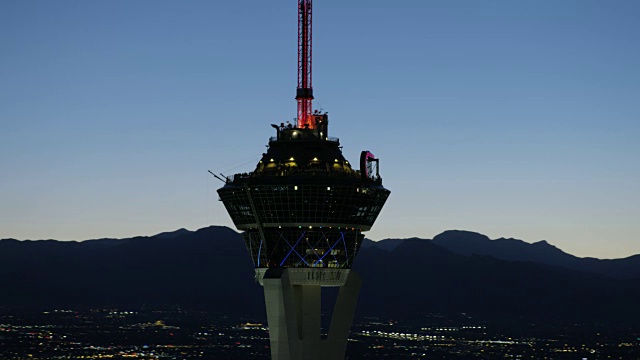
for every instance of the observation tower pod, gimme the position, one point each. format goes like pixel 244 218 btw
pixel 303 211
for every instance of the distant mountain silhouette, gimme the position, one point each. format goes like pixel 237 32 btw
pixel 209 267
pixel 403 278
pixel 470 243
pixel 419 276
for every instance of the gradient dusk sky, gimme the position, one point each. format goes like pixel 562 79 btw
pixel 510 118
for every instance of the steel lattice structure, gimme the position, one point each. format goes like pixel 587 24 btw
pixel 304 94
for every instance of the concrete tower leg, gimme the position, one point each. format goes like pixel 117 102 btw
pixel 343 316
pixel 293 313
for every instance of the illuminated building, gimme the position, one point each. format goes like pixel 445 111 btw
pixel 303 211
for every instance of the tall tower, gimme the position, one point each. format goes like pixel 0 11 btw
pixel 303 211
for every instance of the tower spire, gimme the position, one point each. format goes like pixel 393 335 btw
pixel 304 94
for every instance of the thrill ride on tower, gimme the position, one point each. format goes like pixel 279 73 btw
pixel 303 211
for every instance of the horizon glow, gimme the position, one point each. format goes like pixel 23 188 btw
pixel 509 119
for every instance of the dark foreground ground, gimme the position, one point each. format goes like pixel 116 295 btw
pixel 145 333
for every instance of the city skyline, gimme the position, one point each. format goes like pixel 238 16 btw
pixel 508 119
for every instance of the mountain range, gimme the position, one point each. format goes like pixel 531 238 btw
pixel 469 243
pixel 455 272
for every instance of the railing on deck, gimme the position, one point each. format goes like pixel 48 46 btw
pixel 329 138
pixel 299 172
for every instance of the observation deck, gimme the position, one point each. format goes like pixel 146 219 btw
pixel 304 205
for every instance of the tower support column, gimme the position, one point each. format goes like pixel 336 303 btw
pixel 294 311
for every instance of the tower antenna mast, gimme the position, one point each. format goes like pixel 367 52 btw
pixel 304 94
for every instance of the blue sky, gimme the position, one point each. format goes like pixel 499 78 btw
pixel 509 118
